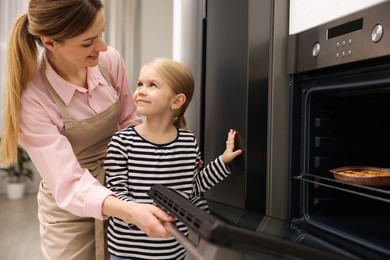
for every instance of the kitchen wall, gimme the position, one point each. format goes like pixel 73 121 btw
pixel 140 30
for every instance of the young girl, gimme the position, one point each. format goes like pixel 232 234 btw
pixel 161 150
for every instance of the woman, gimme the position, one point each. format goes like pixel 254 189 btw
pixel 63 105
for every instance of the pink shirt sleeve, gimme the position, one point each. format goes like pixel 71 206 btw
pixel 41 131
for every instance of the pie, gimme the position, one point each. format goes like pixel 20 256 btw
pixel 363 175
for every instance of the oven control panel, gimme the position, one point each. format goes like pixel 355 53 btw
pixel 353 38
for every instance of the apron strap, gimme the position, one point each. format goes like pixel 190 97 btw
pixel 106 74
pixel 56 98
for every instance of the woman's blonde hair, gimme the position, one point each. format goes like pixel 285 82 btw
pixel 179 78
pixel 56 19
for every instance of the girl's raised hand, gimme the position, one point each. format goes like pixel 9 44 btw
pixel 229 154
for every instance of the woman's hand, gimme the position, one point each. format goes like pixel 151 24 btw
pixel 229 154
pixel 149 219
pixel 146 217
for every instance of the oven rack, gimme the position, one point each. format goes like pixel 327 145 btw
pixel 381 194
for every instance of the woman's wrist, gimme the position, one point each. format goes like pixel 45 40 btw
pixel 112 206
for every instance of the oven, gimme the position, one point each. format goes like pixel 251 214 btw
pixel 340 117
pixel 339 105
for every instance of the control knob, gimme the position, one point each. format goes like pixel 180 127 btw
pixel 316 49
pixel 377 33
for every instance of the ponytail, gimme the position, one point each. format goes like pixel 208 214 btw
pixel 180 122
pixel 22 62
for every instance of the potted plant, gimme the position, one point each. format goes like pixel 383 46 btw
pixel 17 174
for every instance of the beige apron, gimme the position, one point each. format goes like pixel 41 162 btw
pixel 65 236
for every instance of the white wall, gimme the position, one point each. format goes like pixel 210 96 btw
pixel 140 30
pixel 306 14
pixel 156 26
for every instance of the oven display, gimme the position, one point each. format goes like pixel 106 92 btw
pixel 345 28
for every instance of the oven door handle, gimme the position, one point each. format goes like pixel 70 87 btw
pixel 183 240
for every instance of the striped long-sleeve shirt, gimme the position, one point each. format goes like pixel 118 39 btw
pixel 133 165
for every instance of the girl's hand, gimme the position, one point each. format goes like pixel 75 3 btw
pixel 200 164
pixel 229 154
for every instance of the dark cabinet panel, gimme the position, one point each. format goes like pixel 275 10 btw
pixel 237 35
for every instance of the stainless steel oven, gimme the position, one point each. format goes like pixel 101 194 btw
pixel 340 117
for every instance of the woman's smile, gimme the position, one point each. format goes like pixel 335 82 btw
pixel 94 57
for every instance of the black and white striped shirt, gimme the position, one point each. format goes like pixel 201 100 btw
pixel 133 165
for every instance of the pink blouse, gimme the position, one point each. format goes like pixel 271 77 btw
pixel 41 128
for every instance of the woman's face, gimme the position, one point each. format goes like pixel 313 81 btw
pixel 83 50
pixel 153 96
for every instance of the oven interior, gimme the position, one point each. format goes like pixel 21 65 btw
pixel 342 118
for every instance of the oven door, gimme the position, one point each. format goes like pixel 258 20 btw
pixel 241 232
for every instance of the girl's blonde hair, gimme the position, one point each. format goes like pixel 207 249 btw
pixel 180 79
pixel 56 19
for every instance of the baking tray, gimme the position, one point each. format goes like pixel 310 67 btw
pixel 363 175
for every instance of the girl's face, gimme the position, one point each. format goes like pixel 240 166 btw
pixel 153 96
pixel 83 50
